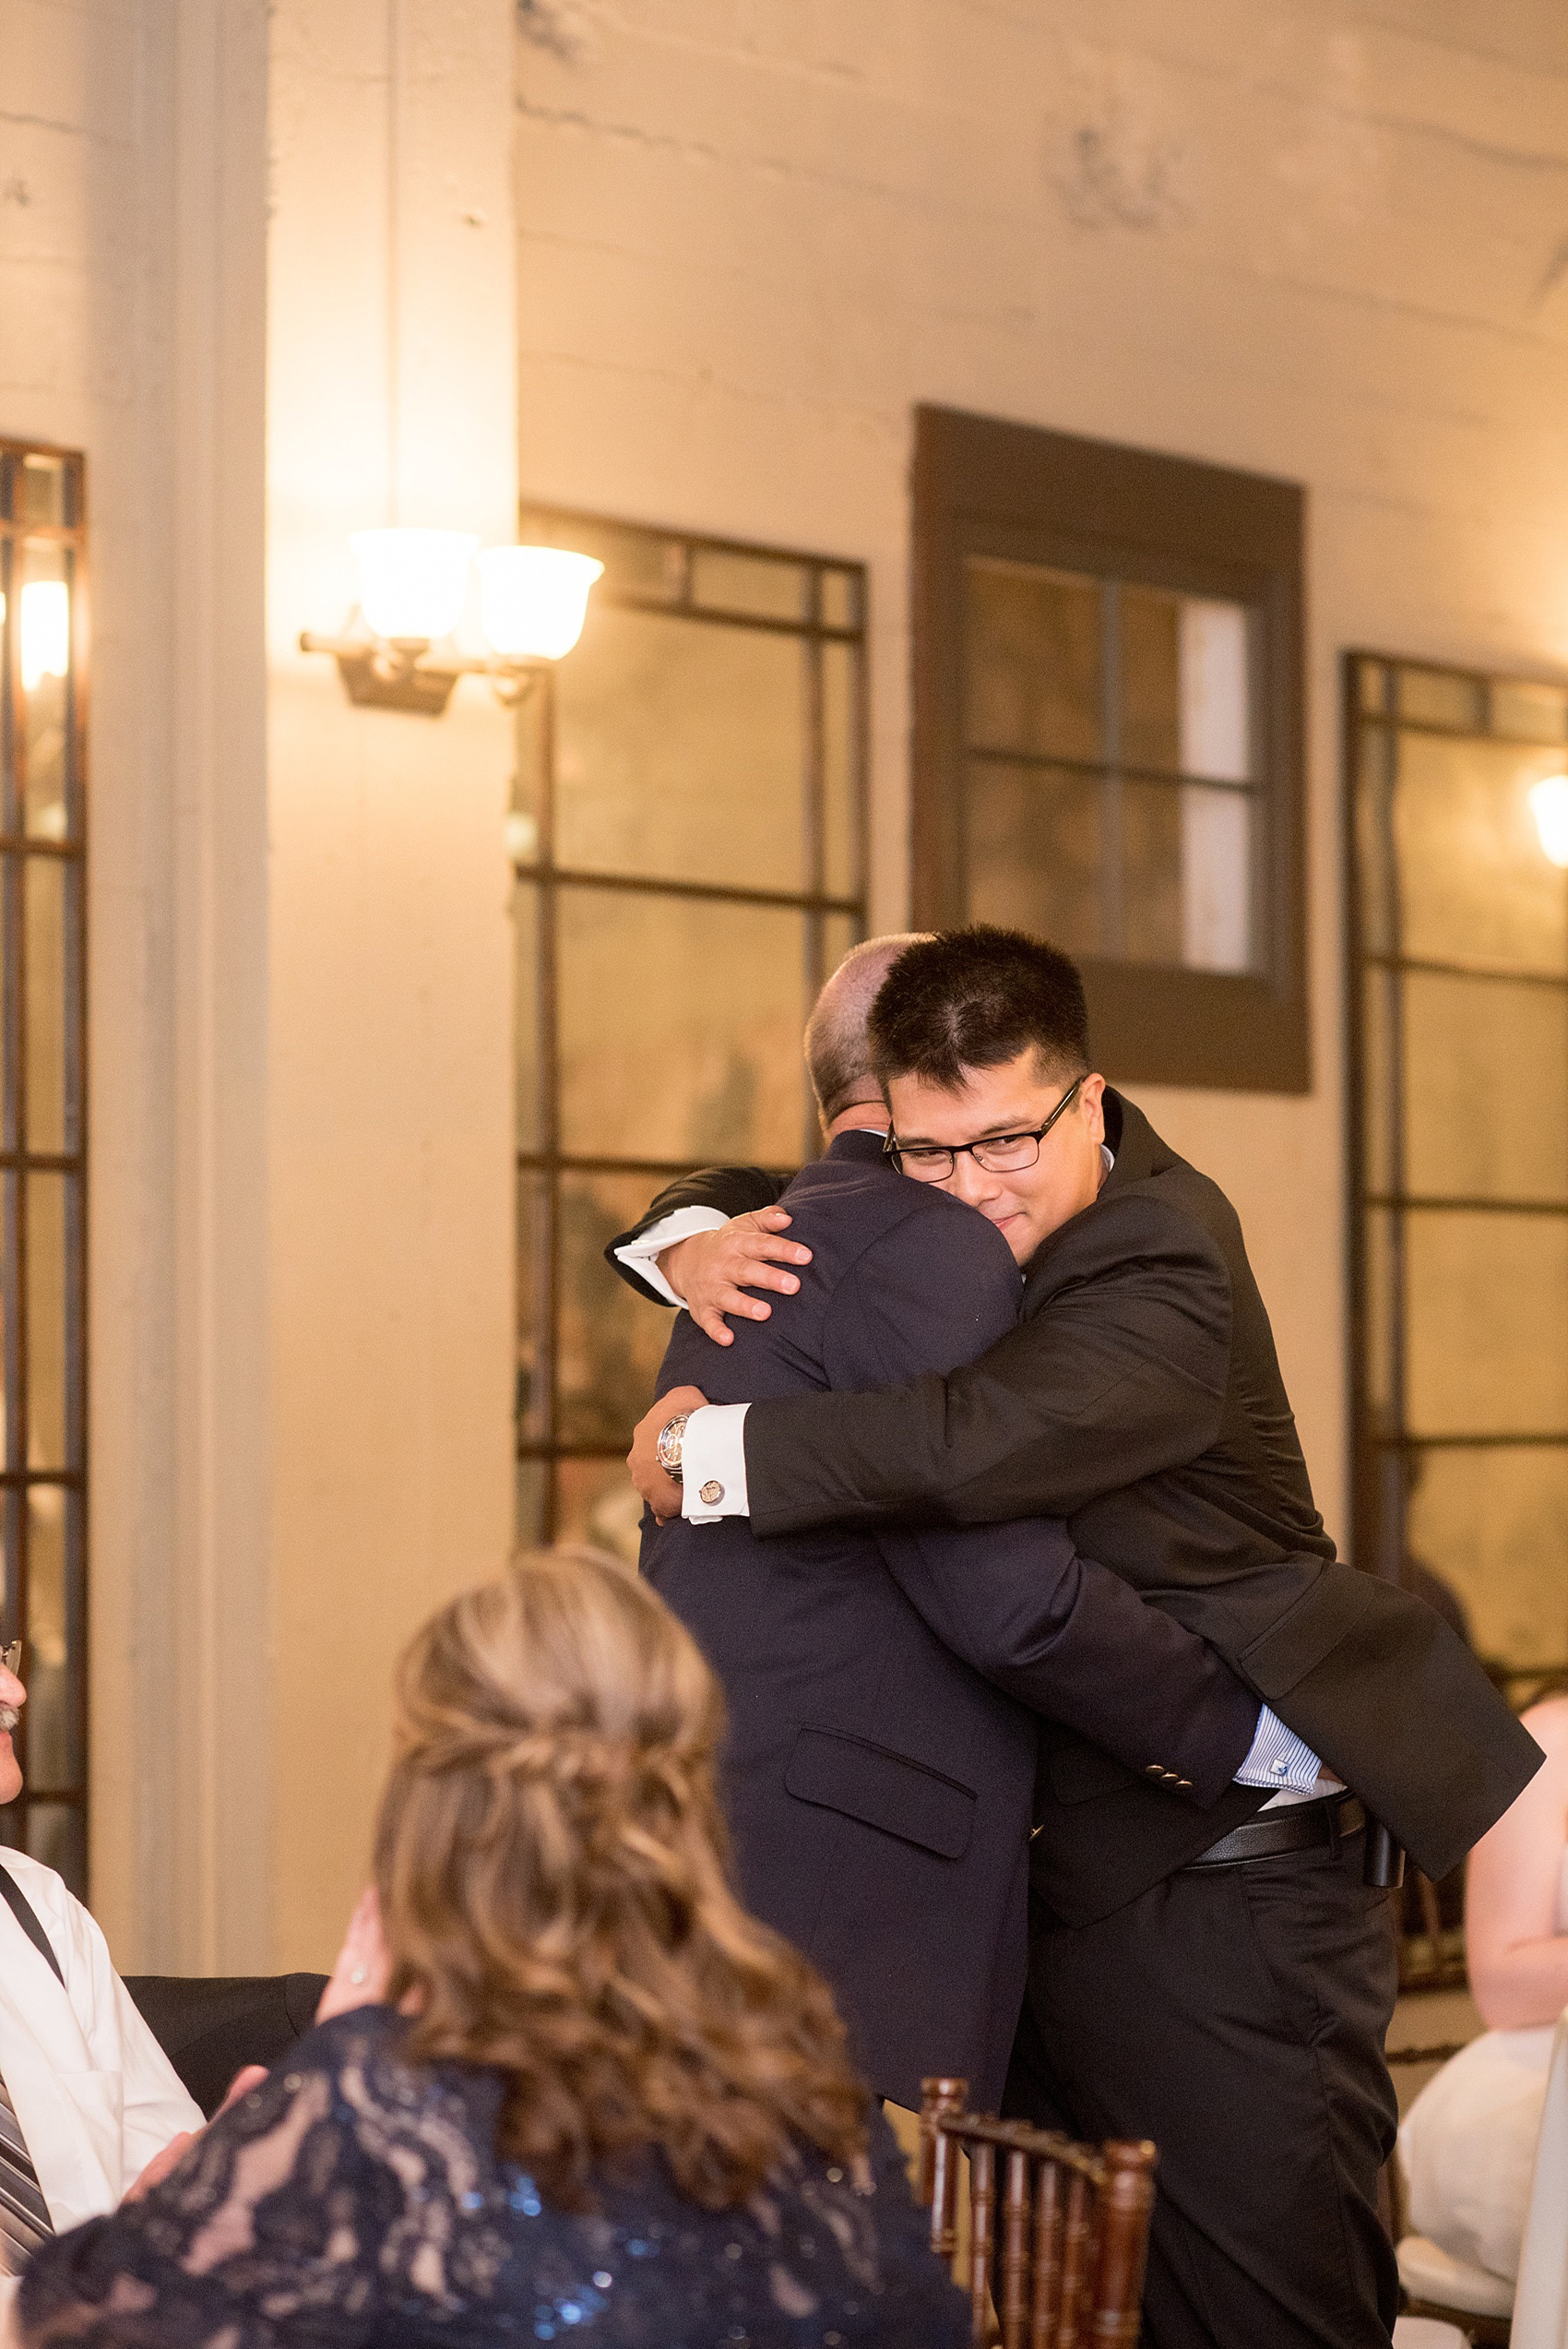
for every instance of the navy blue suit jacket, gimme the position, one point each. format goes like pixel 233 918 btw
pixel 884 1687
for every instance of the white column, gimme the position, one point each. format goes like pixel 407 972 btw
pixel 391 398
pixel 179 1454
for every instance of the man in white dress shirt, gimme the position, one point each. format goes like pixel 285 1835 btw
pixel 87 2097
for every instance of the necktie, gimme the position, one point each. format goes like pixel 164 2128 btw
pixel 24 2214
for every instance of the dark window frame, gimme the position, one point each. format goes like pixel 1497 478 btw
pixel 1378 1490
pixel 19 1160
pixel 551 1162
pixel 1023 493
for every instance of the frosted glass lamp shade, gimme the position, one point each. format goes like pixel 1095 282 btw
pixel 412 583
pixel 532 600
pixel 1548 806
pixel 46 631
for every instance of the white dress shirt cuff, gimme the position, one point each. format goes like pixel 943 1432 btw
pixel 1278 1759
pixel 713 1464
pixel 641 1255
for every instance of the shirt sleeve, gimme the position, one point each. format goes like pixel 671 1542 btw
pixel 1279 1758
pixel 641 1255
pixel 713 1464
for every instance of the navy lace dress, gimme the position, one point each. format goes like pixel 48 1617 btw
pixel 353 2199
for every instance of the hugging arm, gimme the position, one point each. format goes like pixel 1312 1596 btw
pixel 1058 1632
pixel 725 1190
pixel 1119 1375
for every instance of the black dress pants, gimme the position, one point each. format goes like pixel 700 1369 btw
pixel 1235 2015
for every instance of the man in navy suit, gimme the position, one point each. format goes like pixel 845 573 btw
pixel 885 1688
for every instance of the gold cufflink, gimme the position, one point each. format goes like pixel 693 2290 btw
pixel 712 1493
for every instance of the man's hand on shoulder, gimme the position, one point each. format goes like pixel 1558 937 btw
pixel 710 1270
pixel 658 1488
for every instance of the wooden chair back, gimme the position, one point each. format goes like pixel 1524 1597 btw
pixel 1055 2255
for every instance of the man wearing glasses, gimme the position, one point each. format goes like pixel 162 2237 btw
pixel 89 2101
pixel 1222 1983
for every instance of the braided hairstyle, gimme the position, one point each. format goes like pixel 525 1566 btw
pixel 552 1867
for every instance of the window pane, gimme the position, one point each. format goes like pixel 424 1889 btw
pixel 532 1483
pixel 41 489
pixel 46 1320
pixel 43 655
pixel 611 1340
pixel 1474 884
pixel 1152 880
pixel 839 933
pixel 596 1502
pixel 1187 885
pixel 532 1401
pixel 681 1026
pixel 1484 1359
pixel 1215 659
pixel 1034 848
pixel 1535 714
pixel 1435 698
pixel 1185 688
pixel 1379 1110
pixel 841 727
pixel 1374 840
pixel 841 602
pixel 51 1623
pixel 57 1835
pixel 1494 1524
pixel 1382 1306
pixel 681 751
pixel 526 1039
pixel 1033 676
pixel 726 582
pixel 1486 1087
pixel 1151 678
pixel 45 896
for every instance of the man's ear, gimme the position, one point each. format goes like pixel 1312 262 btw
pixel 1092 1095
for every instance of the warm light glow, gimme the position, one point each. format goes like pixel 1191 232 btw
pixel 1548 806
pixel 45 631
pixel 532 599
pixel 412 583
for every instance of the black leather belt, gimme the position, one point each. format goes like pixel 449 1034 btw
pixel 1298 1828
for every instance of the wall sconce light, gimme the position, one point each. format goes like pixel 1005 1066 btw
pixel 1548 806
pixel 413 587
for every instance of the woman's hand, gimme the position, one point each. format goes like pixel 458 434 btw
pixel 363 1968
pixel 710 1270
pixel 162 2164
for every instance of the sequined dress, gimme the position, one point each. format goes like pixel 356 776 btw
pixel 352 2197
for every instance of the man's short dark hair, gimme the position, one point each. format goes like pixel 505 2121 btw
pixel 976 998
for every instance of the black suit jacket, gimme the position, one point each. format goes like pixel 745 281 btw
pixel 1140 1398
pixel 878 1788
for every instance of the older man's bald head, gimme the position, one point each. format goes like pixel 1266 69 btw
pixel 837 1053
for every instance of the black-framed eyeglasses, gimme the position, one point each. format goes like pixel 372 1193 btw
pixel 998 1154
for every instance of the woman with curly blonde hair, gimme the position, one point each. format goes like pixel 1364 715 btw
pixel 561 2086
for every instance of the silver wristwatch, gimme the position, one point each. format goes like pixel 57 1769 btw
pixel 671 1436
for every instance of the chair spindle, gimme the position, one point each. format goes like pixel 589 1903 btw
pixel 982 2238
pixel 1050 2216
pixel 1015 2250
pixel 1074 2261
pixel 1125 2204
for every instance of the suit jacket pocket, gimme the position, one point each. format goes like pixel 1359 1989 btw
pixel 885 1790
